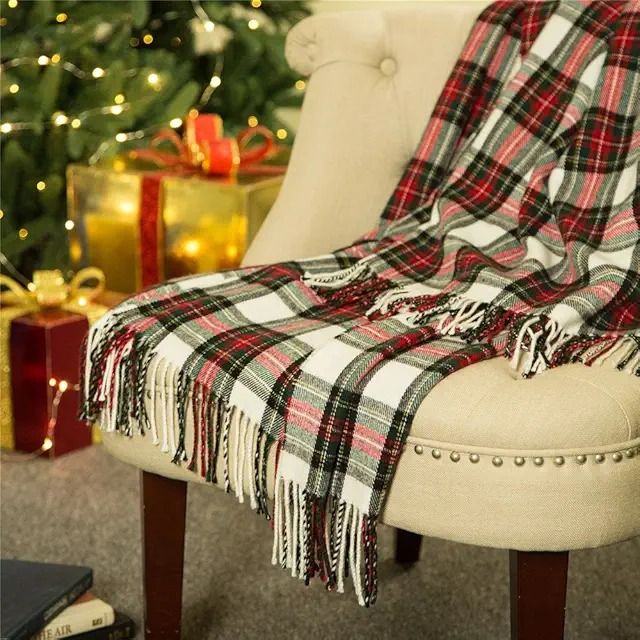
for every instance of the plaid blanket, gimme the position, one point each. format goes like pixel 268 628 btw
pixel 514 231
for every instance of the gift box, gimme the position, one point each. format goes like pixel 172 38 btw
pixel 142 227
pixel 41 332
pixel 45 351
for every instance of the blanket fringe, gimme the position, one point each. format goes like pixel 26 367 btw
pixel 340 277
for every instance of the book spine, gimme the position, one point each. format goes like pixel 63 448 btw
pixel 90 617
pixel 121 630
pixel 38 622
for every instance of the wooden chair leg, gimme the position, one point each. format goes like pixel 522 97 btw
pixel 164 503
pixel 538 594
pixel 407 547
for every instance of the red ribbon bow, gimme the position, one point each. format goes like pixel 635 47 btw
pixel 204 148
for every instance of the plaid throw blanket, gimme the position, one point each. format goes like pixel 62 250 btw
pixel 515 232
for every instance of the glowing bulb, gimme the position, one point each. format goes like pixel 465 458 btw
pixel 69 224
pixel 82 302
pixel 98 72
pixel 119 98
pixel 121 137
pixel 14 88
pixel 300 85
pixel 253 24
pixel 42 60
pixel 116 110
pixel 41 185
pixel 215 81
pixel 1 214
pixel 61 17
pixel 256 4
pixel 252 121
pixel 63 385
pixel 281 134
pixel 209 26
pixel 147 38
pixel 231 251
pixel 175 123
pixel 59 119
pixel 12 4
pixel 52 381
pixel 47 444
pixel 31 287
pixel 23 233
pixel 55 58
pixel 127 206
pixel 153 78
pixel 6 127
pixel 192 248
pixel 76 122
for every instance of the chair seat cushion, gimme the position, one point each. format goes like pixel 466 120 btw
pixel 549 463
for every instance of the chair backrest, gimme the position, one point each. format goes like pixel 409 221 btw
pixel 375 76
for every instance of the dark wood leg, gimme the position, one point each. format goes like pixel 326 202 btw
pixel 164 505
pixel 538 594
pixel 407 546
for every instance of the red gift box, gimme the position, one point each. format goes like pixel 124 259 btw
pixel 45 349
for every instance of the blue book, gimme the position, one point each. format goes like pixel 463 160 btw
pixel 33 593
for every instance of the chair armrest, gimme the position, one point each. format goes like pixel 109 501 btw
pixel 369 96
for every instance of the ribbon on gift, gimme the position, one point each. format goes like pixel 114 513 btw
pixel 205 149
pixel 49 291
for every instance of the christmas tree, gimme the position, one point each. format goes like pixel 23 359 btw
pixel 84 80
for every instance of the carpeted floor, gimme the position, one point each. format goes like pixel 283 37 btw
pixel 83 508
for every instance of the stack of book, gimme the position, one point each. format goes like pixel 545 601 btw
pixel 41 601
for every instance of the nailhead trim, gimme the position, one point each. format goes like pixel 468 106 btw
pixel 538 461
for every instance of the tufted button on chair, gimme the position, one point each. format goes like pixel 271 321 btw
pixel 492 459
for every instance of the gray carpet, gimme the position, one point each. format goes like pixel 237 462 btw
pixel 83 508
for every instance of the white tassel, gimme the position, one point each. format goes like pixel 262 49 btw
pixel 342 556
pixel 240 424
pixel 152 405
pixel 277 514
pixel 339 278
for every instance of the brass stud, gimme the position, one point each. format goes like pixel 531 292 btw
pixel 600 457
pixel 629 453
pixel 418 449
pixel 617 456
pixel 581 459
pixel 437 454
pixel 497 461
pixel 455 456
pixel 518 461
pixel 538 461
pixel 474 457
pixel 558 461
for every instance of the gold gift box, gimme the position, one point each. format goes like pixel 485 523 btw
pixel 207 223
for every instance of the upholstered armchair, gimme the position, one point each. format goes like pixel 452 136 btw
pixel 539 466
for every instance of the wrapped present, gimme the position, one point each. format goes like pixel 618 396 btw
pixel 41 332
pixel 193 209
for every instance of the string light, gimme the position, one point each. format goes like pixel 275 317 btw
pixel 119 98
pixel 55 58
pixel 300 85
pixel 14 88
pixel 256 4
pixel 252 121
pixel 12 4
pixel 117 109
pixel 98 72
pixel 215 81
pixel 209 26
pixel 253 24
pixel 6 127
pixel 281 134
pixel 75 123
pixel 175 123
pixel 61 17
pixel 69 224
pixel 52 381
pixel 147 38
pixel 121 137
pixel 41 185
pixel 63 385
pixel 153 79
pixel 59 119
pixel 42 60
pixel 23 233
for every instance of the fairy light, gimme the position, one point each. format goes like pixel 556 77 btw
pixel 253 24
pixel 69 225
pixel 14 88
pixel 23 234
pixel 147 38
pixel 6 127
pixel 252 121
pixel 209 26
pixel 281 134
pixel 43 60
pixel 119 98
pixel 98 72
pixel 215 81
pixel 31 287
pixel 55 58
pixel 41 185
pixel 121 137
pixel 82 302
pixel 256 4
pixel 59 119
pixel 63 385
pixel 61 17
pixel 52 381
pixel 75 123
pixel 300 85
pixel 117 109
pixel 175 123
pixel 12 4
pixel 153 79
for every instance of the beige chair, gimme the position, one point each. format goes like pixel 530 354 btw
pixel 537 466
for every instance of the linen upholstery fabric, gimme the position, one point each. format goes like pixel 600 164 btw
pixel 427 172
